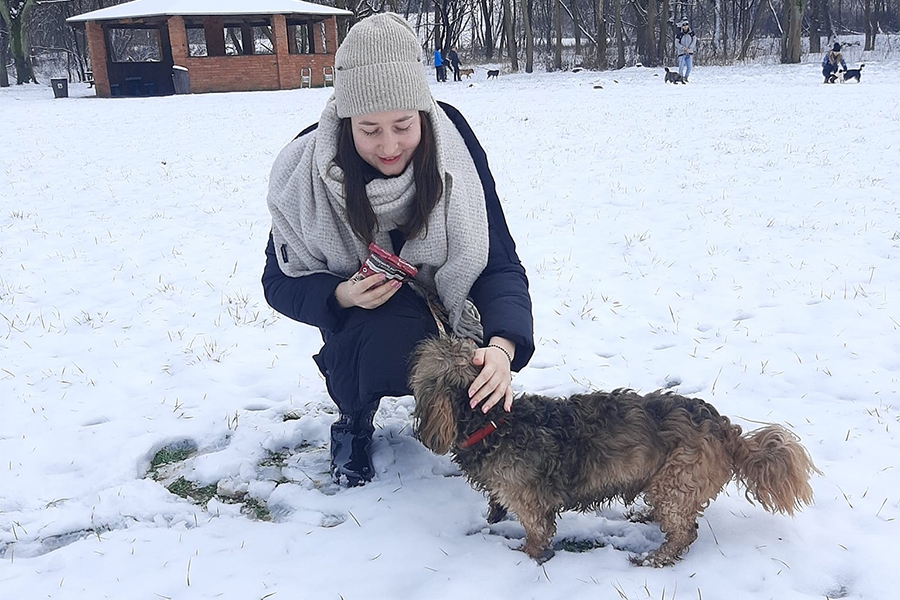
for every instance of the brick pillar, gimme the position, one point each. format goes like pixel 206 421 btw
pixel 279 30
pixel 97 51
pixel 331 44
pixel 178 40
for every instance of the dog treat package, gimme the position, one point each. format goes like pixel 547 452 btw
pixel 380 260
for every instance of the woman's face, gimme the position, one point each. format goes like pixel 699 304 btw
pixel 387 140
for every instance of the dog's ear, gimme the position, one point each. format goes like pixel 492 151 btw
pixel 441 371
pixel 435 425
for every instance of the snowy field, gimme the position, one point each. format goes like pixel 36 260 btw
pixel 737 238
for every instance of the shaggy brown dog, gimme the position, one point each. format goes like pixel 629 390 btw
pixel 549 455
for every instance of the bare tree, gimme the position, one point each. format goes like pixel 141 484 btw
pixel 529 38
pixel 557 22
pixel 870 25
pixel 815 36
pixel 510 31
pixel 600 28
pixel 15 13
pixel 620 37
pixel 487 15
pixel 4 56
pixel 790 39
pixel 748 39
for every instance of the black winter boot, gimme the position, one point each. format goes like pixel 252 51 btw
pixel 351 449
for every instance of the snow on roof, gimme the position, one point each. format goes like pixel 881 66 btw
pixel 155 8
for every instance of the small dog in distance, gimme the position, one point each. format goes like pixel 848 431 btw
pixel 673 77
pixel 553 454
pixel 851 74
pixel 467 72
pixel 493 73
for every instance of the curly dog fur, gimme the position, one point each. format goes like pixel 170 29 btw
pixel 549 455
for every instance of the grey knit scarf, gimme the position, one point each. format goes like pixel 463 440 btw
pixel 312 234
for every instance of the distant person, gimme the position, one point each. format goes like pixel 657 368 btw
pixel 685 44
pixel 454 63
pixel 438 65
pixel 830 63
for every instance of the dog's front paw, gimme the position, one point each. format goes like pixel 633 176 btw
pixel 544 556
pixel 496 513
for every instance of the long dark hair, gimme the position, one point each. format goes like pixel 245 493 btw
pixel 427 179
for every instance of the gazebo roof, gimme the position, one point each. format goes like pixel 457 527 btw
pixel 157 8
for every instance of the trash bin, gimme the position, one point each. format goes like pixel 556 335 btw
pixel 60 87
pixel 182 80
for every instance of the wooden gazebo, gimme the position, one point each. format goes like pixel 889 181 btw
pixel 159 47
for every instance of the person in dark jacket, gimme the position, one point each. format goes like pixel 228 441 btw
pixel 830 63
pixel 388 165
pixel 454 63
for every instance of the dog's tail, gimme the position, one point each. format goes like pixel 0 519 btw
pixel 774 468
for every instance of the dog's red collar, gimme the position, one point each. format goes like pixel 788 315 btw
pixel 480 434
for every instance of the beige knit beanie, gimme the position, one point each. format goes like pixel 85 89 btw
pixel 378 68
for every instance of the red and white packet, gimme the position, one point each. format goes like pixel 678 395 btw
pixel 380 260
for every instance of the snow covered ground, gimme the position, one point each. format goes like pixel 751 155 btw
pixel 737 238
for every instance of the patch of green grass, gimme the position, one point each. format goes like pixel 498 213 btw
pixel 256 510
pixel 173 453
pixel 191 491
pixel 579 546
pixel 275 459
pixel 185 449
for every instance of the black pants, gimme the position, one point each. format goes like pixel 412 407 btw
pixel 367 358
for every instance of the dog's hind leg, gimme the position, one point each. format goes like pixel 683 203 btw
pixel 679 525
pixel 679 492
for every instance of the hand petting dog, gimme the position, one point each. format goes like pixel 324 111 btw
pixel 494 383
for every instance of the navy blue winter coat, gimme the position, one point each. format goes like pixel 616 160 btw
pixel 365 353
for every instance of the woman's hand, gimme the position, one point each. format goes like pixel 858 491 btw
pixel 494 383
pixel 367 293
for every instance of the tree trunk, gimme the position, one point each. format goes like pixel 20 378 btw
pixel 826 27
pixel 557 21
pixel 576 25
pixel 600 27
pixel 487 11
pixel 664 29
pixel 620 37
pixel 790 39
pixel 529 38
pixel 815 34
pixel 4 42
pixel 15 15
pixel 438 31
pixel 869 25
pixel 509 29
pixel 760 8
pixel 723 15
